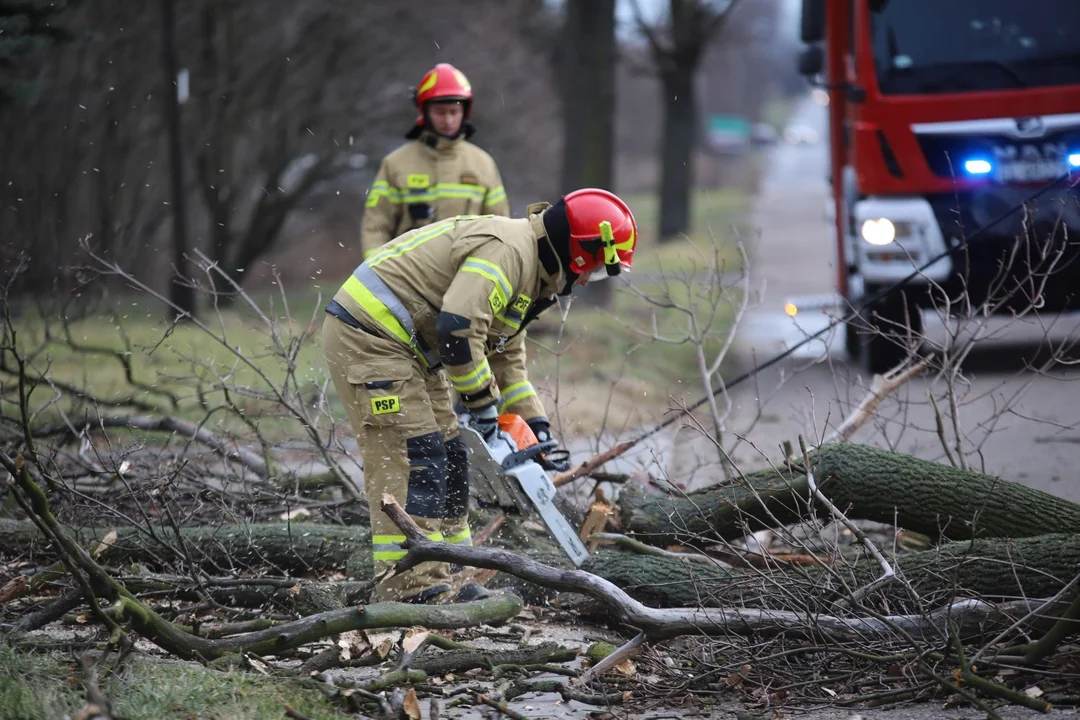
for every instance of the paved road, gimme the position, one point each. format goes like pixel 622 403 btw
pixel 1016 423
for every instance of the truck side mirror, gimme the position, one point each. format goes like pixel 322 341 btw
pixel 811 60
pixel 812 22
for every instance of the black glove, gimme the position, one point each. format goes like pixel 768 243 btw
pixel 557 458
pixel 541 428
pixel 486 421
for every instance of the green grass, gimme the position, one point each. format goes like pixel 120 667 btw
pixel 716 215
pixel 604 366
pixel 185 362
pixel 50 685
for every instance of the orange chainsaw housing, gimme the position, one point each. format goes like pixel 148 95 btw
pixel 515 426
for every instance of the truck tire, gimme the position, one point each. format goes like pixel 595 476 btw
pixel 894 333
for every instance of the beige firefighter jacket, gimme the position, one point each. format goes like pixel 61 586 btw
pixel 427 180
pixel 459 293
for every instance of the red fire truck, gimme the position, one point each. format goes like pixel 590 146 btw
pixel 942 115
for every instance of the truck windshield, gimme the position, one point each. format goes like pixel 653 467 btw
pixel 937 46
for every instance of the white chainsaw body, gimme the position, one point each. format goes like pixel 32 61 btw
pixel 523 484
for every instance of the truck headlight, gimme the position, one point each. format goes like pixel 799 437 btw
pixel 878 231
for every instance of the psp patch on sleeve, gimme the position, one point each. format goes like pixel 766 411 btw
pixel 497 300
pixel 385 405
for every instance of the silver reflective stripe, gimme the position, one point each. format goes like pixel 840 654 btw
pixel 388 547
pixel 386 296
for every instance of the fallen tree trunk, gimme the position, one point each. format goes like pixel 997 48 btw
pixel 997 568
pixel 991 568
pixel 219 549
pixel 866 483
pixel 662 623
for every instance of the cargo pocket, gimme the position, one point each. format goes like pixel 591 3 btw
pixel 379 389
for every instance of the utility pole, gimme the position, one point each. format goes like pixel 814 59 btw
pixel 181 294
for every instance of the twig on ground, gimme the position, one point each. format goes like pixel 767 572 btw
pixel 629 649
pixel 488 530
pixel 500 707
pixel 641 548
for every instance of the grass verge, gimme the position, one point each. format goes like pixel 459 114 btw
pixel 599 371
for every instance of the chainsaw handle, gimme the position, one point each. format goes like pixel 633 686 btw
pixel 557 460
pixel 533 452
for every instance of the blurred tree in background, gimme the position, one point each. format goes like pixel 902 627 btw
pixel 27 27
pixel 677 48
pixel 288 113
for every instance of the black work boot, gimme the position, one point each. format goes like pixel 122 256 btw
pixel 470 592
pixel 432 596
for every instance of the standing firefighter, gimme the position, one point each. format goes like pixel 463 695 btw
pixel 454 296
pixel 439 174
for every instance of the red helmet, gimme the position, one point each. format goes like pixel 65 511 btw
pixel 442 82
pixel 603 233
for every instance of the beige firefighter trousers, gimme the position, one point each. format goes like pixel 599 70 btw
pixel 408 435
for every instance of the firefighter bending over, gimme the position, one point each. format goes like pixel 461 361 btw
pixel 446 306
pixel 439 173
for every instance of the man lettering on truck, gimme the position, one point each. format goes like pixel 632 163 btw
pixel 444 306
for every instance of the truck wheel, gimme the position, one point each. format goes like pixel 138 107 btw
pixel 895 332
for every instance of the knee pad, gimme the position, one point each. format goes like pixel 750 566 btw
pixel 457 478
pixel 427 475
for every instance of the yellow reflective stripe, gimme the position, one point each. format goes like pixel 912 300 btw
pixel 375 308
pixel 477 191
pixel 400 247
pixel 473 381
pixel 387 548
pixel 462 538
pixel 492 272
pixel 406 198
pixel 516 393
pixel 433 193
pixel 496 195
pixel 381 189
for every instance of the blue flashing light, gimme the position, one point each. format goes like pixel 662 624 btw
pixel 978 166
pixel 1074 159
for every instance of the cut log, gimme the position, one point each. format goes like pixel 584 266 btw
pixel 866 483
pixel 459 661
pixel 218 549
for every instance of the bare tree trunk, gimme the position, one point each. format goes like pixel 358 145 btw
pixel 680 135
pixel 181 293
pixel 589 107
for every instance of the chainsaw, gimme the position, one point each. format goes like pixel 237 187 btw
pixel 510 470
